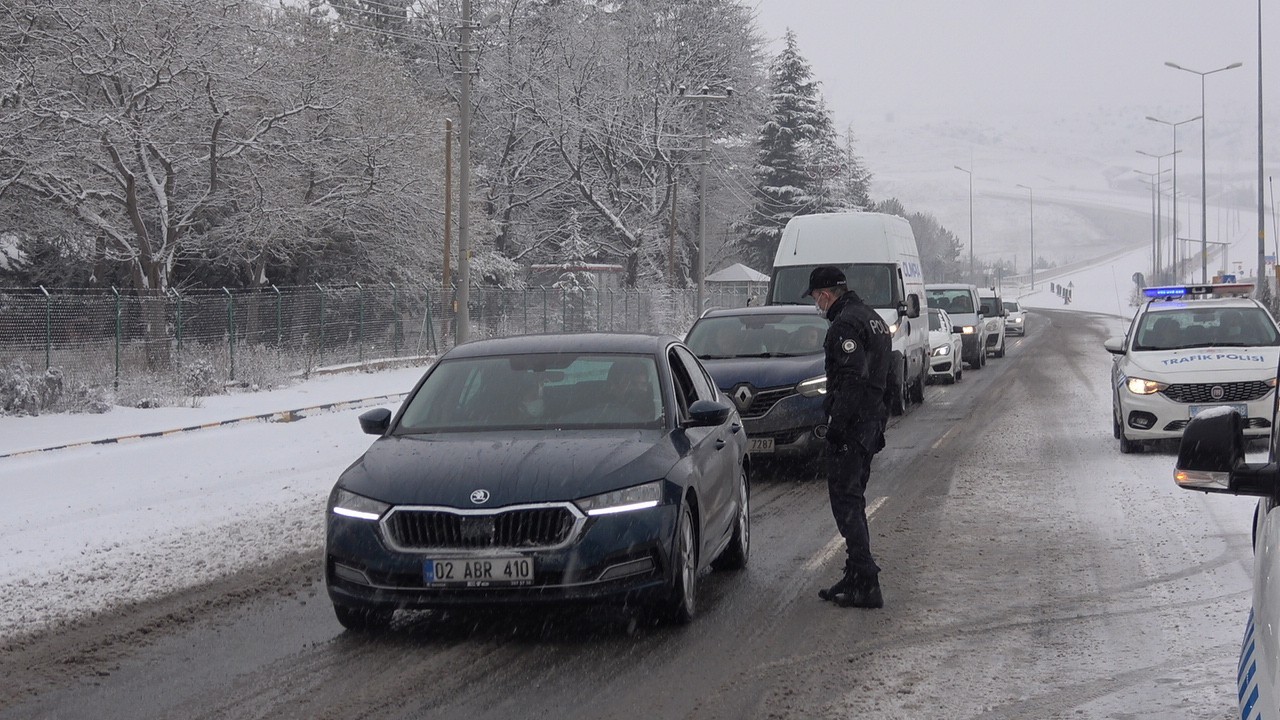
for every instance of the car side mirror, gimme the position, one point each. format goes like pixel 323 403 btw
pixel 706 413
pixel 912 309
pixel 376 421
pixel 1114 345
pixel 1211 457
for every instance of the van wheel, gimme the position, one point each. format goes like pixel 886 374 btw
pixel 917 387
pixel 1000 350
pixel 898 392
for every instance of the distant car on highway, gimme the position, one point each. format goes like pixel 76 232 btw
pixel 1211 459
pixel 591 467
pixel 945 348
pixel 1189 349
pixel 994 312
pixel 1016 321
pixel 769 361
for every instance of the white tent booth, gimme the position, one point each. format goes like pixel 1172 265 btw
pixel 736 286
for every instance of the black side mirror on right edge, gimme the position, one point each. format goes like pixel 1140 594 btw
pixel 1211 457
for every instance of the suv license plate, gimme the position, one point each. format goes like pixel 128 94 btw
pixel 760 445
pixel 479 572
pixel 1241 408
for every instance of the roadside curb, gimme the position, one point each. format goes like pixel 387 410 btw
pixel 279 416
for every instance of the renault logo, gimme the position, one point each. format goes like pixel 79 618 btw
pixel 480 497
pixel 743 395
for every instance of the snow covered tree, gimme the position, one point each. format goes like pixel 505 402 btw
pixel 798 155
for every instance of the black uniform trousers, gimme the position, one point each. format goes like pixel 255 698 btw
pixel 848 470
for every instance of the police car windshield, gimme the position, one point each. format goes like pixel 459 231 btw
pixel 736 336
pixel 1198 327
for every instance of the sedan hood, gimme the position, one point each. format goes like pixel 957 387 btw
pixel 520 467
pixel 764 372
pixel 1224 364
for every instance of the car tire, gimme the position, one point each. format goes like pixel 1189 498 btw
pixel 362 619
pixel 898 392
pixel 1000 350
pixel 957 372
pixel 917 387
pixel 681 606
pixel 738 550
pixel 1128 446
pixel 982 357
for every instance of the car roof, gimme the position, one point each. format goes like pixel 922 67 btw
pixel 601 342
pixel 796 309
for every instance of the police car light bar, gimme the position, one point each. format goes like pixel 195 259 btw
pixel 1168 292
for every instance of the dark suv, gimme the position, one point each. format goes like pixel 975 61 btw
pixel 769 361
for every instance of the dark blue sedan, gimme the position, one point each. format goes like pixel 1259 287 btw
pixel 769 361
pixel 590 467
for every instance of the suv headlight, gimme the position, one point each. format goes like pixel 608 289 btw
pixel 1141 386
pixel 638 497
pixel 813 387
pixel 941 350
pixel 349 504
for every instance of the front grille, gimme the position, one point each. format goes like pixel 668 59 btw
pixel 764 401
pixel 523 529
pixel 1254 423
pixel 1231 392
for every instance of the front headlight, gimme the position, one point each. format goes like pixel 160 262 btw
pixel 942 350
pixel 1141 386
pixel 1271 382
pixel 638 497
pixel 349 504
pixel 893 329
pixel 813 387
pixel 967 330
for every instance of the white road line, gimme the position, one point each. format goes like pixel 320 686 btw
pixel 946 436
pixel 837 542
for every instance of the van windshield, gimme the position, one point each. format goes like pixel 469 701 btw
pixel 876 284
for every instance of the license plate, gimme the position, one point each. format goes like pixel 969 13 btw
pixel 1238 407
pixel 478 572
pixel 760 445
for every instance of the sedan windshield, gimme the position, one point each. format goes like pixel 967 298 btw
pixel 522 392
pixel 734 336
pixel 1193 327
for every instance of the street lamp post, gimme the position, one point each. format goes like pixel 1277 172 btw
pixel 1032 196
pixel 1152 179
pixel 704 94
pixel 1159 202
pixel 970 174
pixel 1204 198
pixel 1176 270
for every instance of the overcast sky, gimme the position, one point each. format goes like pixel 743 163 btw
pixel 975 58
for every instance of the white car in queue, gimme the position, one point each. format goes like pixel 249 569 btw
pixel 1211 459
pixel 1188 349
pixel 945 362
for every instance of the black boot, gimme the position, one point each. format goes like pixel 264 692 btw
pixel 842 587
pixel 864 593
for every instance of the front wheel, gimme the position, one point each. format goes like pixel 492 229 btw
pixel 1000 350
pixel 898 392
pixel 681 606
pixel 735 554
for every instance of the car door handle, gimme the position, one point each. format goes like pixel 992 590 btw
pixel 720 443
pixel 734 428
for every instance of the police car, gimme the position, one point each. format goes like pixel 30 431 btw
pixel 1211 459
pixel 1188 349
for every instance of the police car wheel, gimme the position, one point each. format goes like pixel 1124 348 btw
pixel 1128 446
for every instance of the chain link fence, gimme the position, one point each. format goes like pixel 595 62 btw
pixel 164 347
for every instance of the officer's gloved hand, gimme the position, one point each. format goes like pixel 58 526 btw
pixel 835 436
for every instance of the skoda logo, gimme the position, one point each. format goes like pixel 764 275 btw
pixel 743 395
pixel 480 497
pixel 1216 392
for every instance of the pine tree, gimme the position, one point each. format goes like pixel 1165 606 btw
pixel 797 155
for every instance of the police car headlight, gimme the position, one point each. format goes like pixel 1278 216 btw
pixel 941 351
pixel 1141 386
pixel 967 330
pixel 813 387
pixel 1271 382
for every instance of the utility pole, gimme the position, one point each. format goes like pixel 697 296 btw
pixel 970 174
pixel 465 51
pixel 448 200
pixel 1264 285
pixel 704 94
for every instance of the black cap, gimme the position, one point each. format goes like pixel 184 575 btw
pixel 824 277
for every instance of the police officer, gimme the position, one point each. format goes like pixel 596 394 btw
pixel 858 351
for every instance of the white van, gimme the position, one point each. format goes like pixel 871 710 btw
pixel 878 255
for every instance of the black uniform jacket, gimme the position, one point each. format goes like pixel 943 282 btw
pixel 859 349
